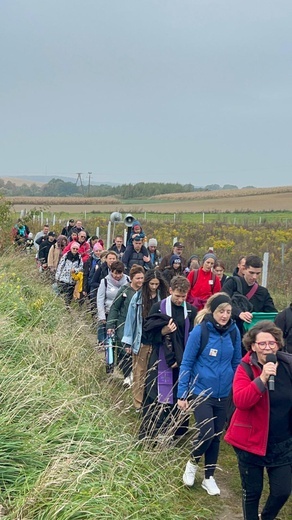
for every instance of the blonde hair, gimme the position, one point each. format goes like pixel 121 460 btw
pixel 207 309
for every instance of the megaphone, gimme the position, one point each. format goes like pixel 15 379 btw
pixel 129 219
pixel 116 217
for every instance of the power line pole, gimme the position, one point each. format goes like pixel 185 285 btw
pixel 79 178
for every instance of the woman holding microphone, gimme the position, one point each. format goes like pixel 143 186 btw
pixel 261 427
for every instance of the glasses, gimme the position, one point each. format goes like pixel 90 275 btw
pixel 264 344
pixel 75 248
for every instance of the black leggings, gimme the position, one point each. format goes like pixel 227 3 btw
pixel 210 416
pixel 252 479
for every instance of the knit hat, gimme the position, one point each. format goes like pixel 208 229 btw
pixel 221 298
pixel 136 223
pixel 74 244
pixel 152 242
pixel 97 247
pixel 175 259
pixel 209 255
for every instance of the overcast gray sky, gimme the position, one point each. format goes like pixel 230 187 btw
pixel 147 90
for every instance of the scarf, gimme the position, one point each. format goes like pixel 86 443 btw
pixel 165 373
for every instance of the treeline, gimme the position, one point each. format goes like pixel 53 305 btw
pixel 60 188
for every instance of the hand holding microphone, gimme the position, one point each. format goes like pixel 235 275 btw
pixel 269 371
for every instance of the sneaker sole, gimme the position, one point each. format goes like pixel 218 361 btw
pixel 208 491
pixel 187 484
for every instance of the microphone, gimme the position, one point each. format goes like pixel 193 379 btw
pixel 271 358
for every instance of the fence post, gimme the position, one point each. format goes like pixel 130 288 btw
pixel 282 253
pixel 108 238
pixel 265 269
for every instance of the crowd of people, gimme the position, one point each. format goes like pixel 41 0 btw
pixel 183 337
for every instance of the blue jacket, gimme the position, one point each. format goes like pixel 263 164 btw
pixel 133 325
pixel 212 373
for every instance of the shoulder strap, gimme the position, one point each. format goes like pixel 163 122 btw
pixel 252 291
pixel 195 277
pixel 204 338
pixel 238 284
pixel 213 279
pixel 105 283
pixel 248 369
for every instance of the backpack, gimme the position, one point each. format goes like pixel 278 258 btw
pixel 239 300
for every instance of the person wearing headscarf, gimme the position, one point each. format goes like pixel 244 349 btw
pixel 204 282
pixel 206 376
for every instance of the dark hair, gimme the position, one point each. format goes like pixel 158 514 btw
pixel 180 283
pixel 136 269
pixel 219 263
pixel 253 261
pixel 263 326
pixel 117 266
pixel 146 295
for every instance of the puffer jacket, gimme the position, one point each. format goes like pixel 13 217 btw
pixel 65 266
pixel 212 372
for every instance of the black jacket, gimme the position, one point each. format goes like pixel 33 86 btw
pixel 284 322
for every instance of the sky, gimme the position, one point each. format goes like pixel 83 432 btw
pixel 189 91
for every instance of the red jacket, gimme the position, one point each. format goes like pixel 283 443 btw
pixel 203 287
pixel 249 426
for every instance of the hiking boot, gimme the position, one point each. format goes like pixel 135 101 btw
pixel 209 484
pixel 189 474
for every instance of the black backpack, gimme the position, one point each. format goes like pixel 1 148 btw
pixel 238 299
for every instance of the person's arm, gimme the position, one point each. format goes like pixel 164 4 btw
pixel 51 258
pixel 126 256
pixel 237 354
pixel 42 252
pixel 78 268
pixel 60 267
pixel 100 301
pixel 129 328
pixel 280 320
pixel 115 310
pixel 188 362
pixel 269 303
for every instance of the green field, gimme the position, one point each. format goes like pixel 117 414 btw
pixel 243 218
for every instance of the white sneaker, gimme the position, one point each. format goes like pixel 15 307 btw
pixel 209 484
pixel 190 474
pixel 127 382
